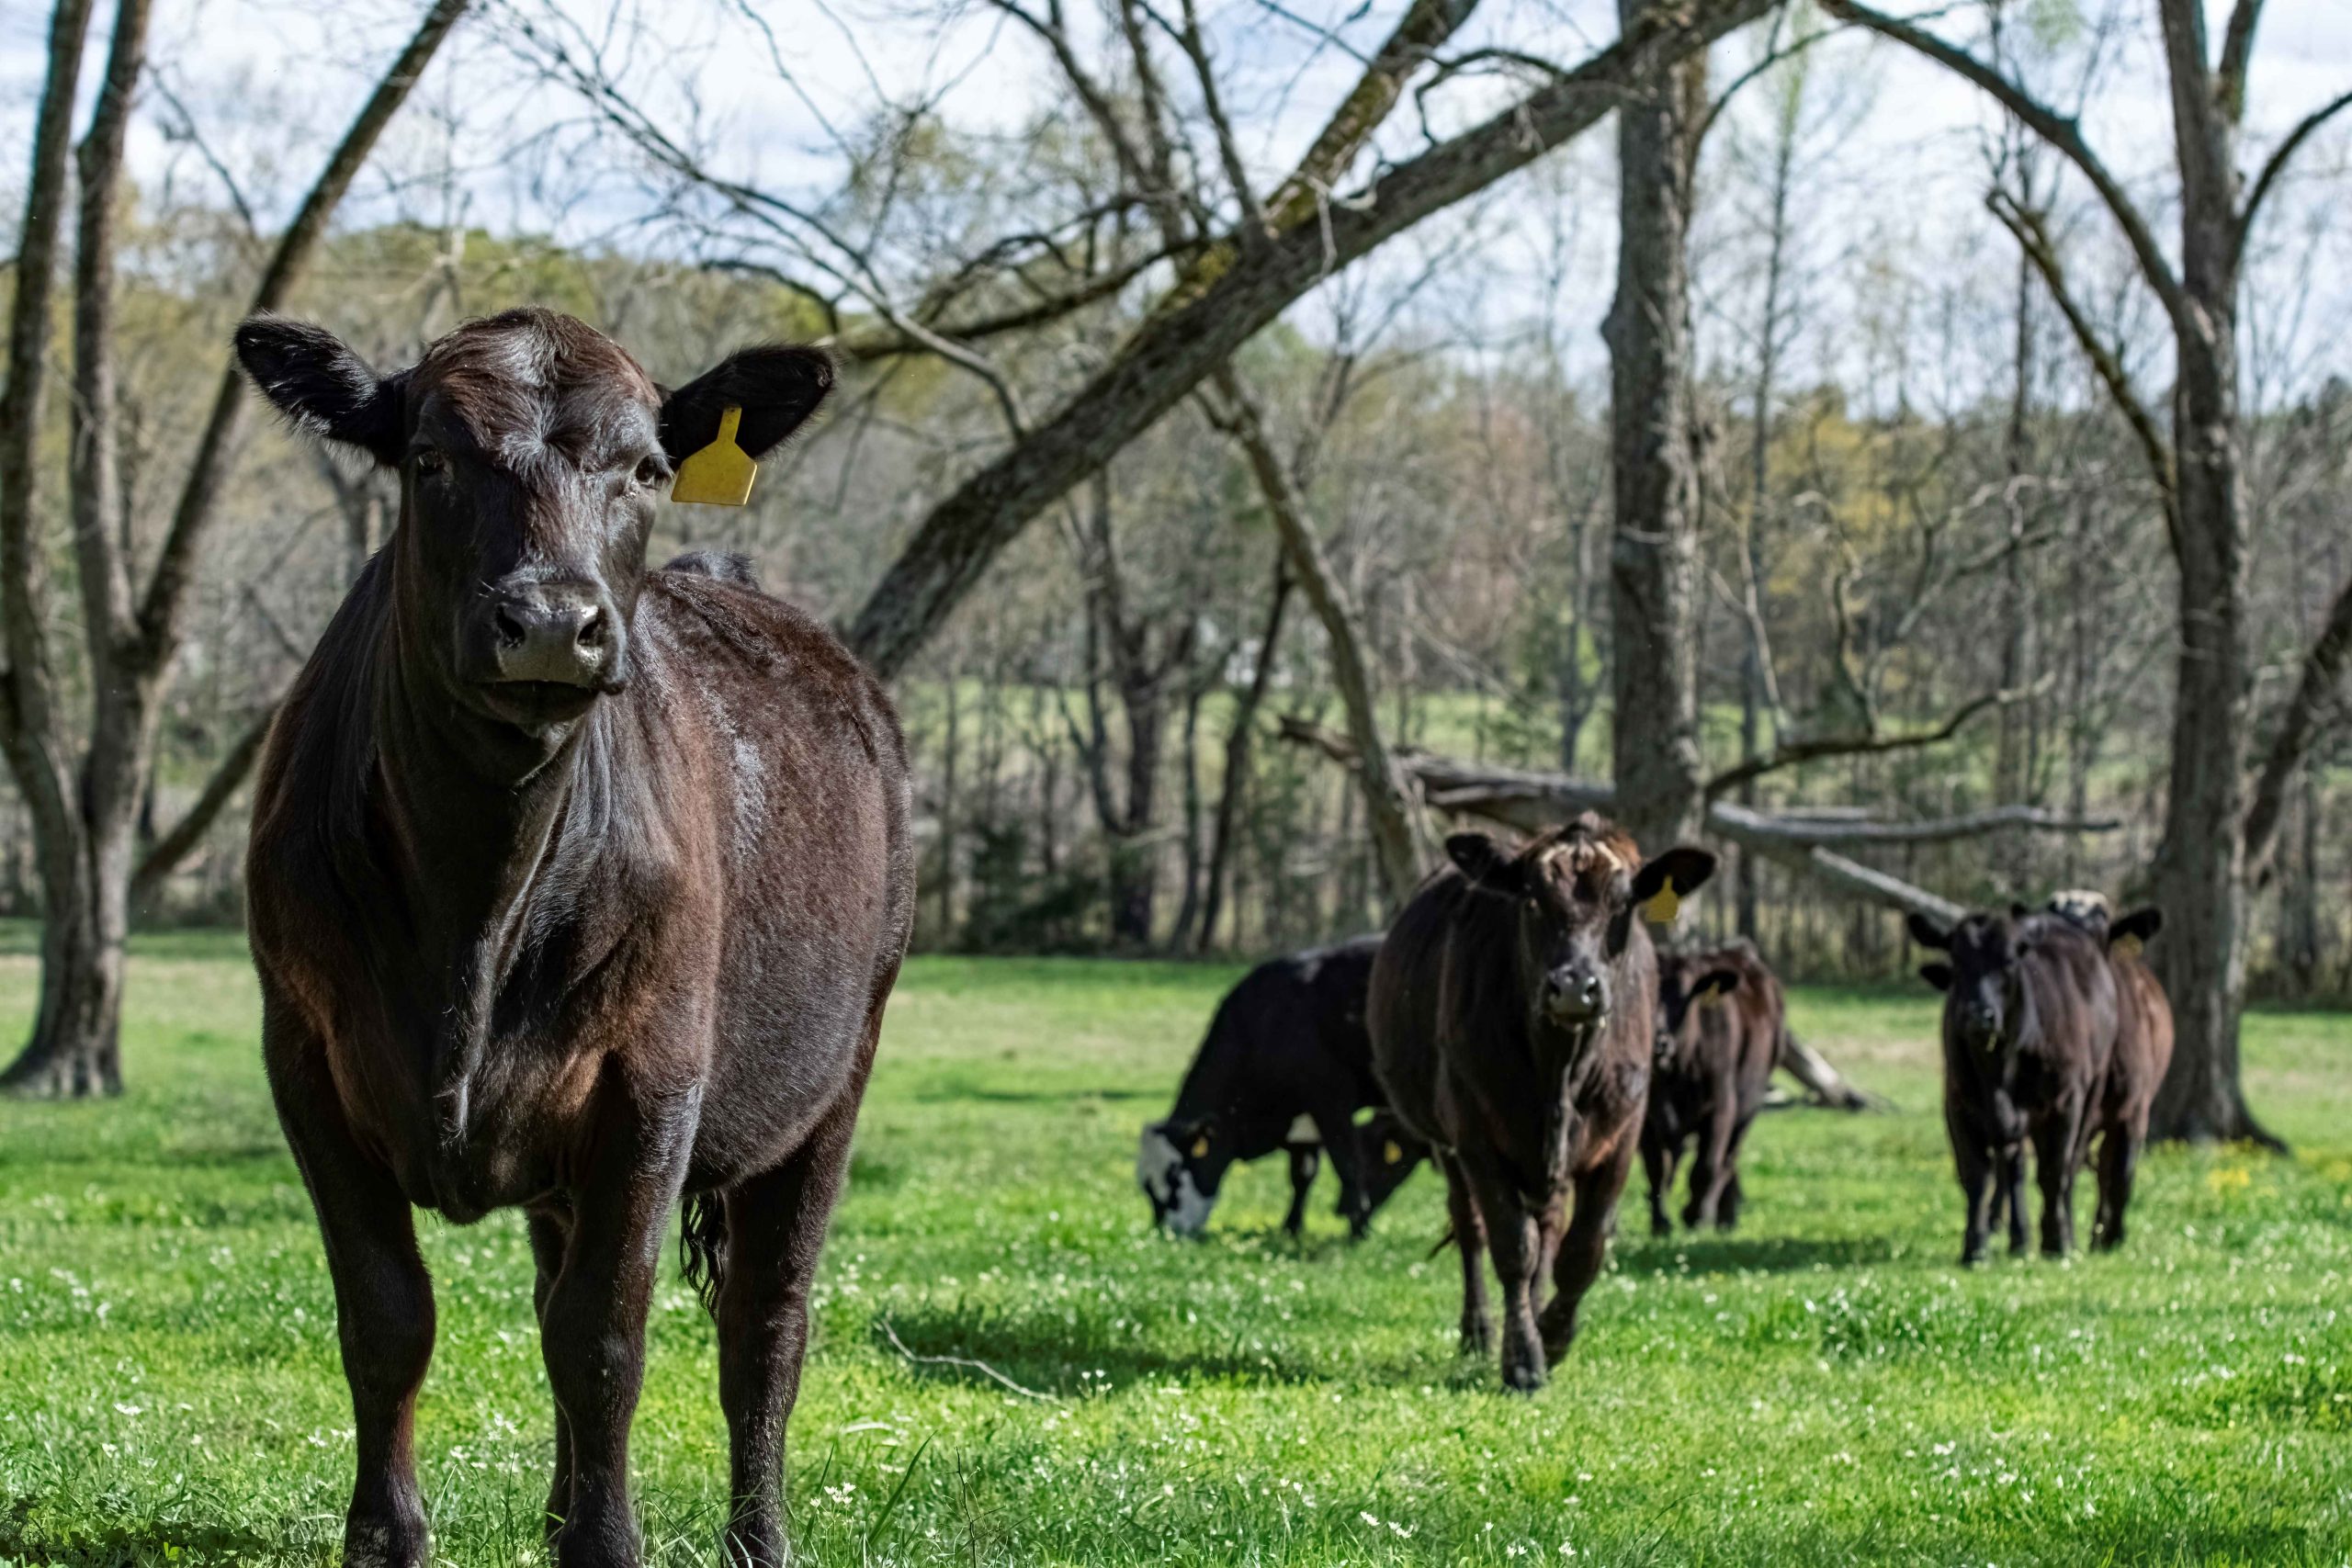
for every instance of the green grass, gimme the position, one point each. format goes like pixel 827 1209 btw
pixel 1823 1386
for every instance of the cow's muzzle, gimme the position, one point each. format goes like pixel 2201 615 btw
pixel 556 633
pixel 1576 994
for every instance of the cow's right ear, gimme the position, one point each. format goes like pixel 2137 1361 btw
pixel 773 389
pixel 1484 862
pixel 1716 984
pixel 1936 975
pixel 1928 933
pixel 312 378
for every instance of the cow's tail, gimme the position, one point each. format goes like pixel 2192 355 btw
pixel 702 1246
pixel 1442 1243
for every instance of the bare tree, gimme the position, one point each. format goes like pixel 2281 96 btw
pixel 84 799
pixel 2199 875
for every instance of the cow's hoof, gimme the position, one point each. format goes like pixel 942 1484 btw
pixel 383 1543
pixel 1660 1227
pixel 1971 1256
pixel 1477 1337
pixel 1523 1376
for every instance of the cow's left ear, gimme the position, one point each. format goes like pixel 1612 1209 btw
pixel 775 385
pixel 1716 984
pixel 1663 883
pixel 1936 975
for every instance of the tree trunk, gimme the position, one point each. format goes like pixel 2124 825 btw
pixel 1239 742
pixel 2200 872
pixel 75 1049
pixel 1389 808
pixel 1654 551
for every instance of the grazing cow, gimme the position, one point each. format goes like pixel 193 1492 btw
pixel 2142 1052
pixel 2030 1021
pixel 1512 1011
pixel 574 887
pixel 1286 1064
pixel 1720 1017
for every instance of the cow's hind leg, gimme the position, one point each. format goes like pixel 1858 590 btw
pixel 1305 1159
pixel 776 1227
pixel 1470 1237
pixel 383 1301
pixel 2118 1160
pixel 2010 1190
pixel 1660 1155
pixel 1583 1248
pixel 591 1330
pixel 1712 1164
pixel 550 1230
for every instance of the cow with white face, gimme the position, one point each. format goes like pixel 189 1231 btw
pixel 1286 1064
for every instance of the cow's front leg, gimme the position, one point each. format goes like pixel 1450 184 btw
pixel 550 1233
pixel 1335 1123
pixel 1306 1160
pixel 591 1331
pixel 383 1297
pixel 1516 1245
pixel 1584 1249
pixel 2011 1190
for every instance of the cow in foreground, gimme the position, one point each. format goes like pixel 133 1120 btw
pixel 1512 1025
pixel 574 887
pixel 2144 1039
pixel 1286 1064
pixel 1720 1017
pixel 2029 1023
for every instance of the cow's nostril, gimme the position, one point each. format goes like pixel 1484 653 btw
pixel 591 627
pixel 509 626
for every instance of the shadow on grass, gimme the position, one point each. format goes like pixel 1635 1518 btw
pixel 100 1543
pixel 1048 1354
pixel 1712 1252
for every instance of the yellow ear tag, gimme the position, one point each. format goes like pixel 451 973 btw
pixel 1201 1146
pixel 2128 946
pixel 1662 906
pixel 722 473
pixel 1392 1152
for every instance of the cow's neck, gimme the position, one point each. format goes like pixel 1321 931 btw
pixel 476 843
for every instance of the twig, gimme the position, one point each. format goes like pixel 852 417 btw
pixel 981 1367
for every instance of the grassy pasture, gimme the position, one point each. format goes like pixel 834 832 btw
pixel 1823 1386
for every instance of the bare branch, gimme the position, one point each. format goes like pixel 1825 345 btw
pixel 1793 753
pixel 2277 162
pixel 175 846
pixel 2026 227
pixel 2237 52
pixel 2060 131
pixel 2300 723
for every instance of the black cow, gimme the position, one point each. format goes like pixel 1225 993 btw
pixel 2030 1026
pixel 577 888
pixel 1512 1012
pixel 1286 1065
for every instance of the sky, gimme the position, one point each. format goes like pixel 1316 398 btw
pixel 1895 164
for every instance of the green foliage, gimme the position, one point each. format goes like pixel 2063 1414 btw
pixel 1823 1385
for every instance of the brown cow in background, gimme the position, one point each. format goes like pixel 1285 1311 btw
pixel 1512 1025
pixel 2143 1051
pixel 2029 1022
pixel 1720 1015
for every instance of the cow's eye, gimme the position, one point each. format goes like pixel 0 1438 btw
pixel 650 471
pixel 431 462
